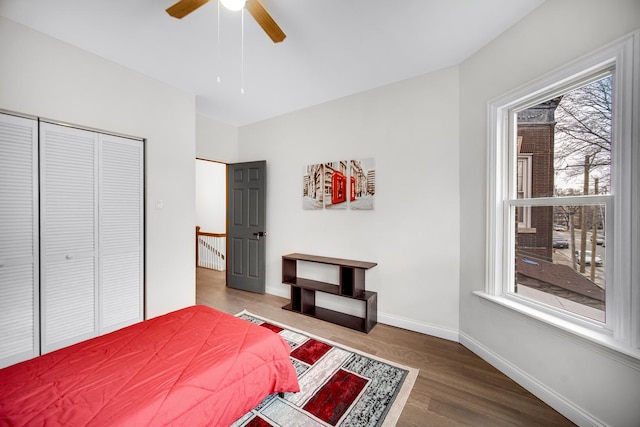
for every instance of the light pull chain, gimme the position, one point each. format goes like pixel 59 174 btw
pixel 218 79
pixel 242 57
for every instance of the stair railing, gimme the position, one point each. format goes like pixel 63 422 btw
pixel 211 250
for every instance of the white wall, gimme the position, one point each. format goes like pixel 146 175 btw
pixel 215 140
pixel 589 384
pixel 44 77
pixel 411 130
pixel 211 195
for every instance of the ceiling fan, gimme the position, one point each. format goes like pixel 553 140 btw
pixel 255 8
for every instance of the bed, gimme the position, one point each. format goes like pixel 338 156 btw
pixel 195 366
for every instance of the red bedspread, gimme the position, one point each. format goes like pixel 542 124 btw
pixel 196 366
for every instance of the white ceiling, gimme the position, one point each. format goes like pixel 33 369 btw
pixel 333 48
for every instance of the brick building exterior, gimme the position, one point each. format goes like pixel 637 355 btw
pixel 536 177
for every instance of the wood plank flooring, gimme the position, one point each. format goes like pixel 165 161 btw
pixel 454 388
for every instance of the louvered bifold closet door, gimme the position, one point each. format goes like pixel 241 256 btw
pixel 68 229
pixel 19 336
pixel 121 201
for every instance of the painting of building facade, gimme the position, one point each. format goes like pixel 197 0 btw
pixel 339 184
pixel 362 184
pixel 313 187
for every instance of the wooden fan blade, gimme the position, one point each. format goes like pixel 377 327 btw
pixel 185 7
pixel 262 17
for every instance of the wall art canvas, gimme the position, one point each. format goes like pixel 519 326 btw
pixel 335 185
pixel 313 187
pixel 362 184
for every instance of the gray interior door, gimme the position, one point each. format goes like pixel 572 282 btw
pixel 246 225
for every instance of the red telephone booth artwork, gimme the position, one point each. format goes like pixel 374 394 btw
pixel 352 188
pixel 339 184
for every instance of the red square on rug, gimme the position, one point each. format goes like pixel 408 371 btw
pixel 257 422
pixel 274 328
pixel 336 396
pixel 311 351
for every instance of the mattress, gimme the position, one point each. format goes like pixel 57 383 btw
pixel 195 366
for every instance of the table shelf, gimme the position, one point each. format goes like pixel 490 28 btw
pixel 352 286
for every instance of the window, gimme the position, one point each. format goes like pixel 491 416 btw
pixel 563 213
pixel 523 191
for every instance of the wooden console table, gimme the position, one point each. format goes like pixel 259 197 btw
pixel 352 285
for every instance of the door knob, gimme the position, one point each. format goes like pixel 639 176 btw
pixel 260 234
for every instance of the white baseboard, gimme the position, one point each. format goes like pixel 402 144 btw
pixel 424 328
pixel 574 413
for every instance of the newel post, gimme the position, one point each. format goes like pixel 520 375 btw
pixel 197 254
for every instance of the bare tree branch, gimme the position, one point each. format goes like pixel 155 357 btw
pixel 583 128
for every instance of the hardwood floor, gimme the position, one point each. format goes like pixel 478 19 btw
pixel 455 387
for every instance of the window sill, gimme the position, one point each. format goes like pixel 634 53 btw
pixel 601 337
pixel 526 230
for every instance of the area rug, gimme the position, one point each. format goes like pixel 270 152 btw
pixel 339 386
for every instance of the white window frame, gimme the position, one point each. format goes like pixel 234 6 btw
pixel 621 331
pixel 524 224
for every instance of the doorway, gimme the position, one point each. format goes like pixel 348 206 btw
pixel 231 221
pixel 211 215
